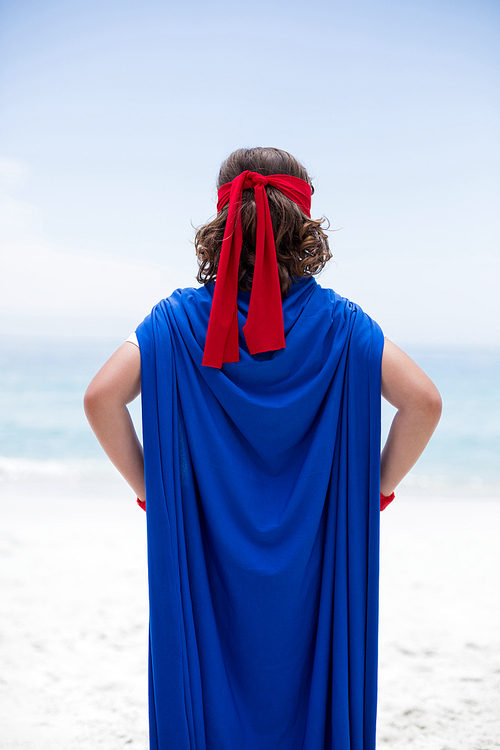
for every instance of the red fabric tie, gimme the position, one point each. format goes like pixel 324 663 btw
pixel 385 500
pixel 263 330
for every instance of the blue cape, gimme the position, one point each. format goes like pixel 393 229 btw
pixel 262 494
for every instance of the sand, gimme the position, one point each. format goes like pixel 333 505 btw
pixel 73 627
pixel 439 669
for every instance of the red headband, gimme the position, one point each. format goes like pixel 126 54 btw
pixel 263 330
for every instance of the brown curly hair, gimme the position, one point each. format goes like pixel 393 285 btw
pixel 301 243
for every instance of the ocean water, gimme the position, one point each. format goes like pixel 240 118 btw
pixel 44 434
pixel 463 456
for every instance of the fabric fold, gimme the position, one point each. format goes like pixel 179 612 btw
pixel 262 492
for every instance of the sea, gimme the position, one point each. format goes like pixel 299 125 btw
pixel 44 435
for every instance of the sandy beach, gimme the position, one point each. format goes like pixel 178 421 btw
pixel 73 660
pixel 439 669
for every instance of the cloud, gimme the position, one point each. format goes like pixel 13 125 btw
pixel 41 278
pixel 12 172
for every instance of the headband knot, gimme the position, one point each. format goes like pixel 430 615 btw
pixel 263 331
pixel 253 179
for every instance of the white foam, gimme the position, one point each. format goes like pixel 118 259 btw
pixel 73 470
pixel 448 486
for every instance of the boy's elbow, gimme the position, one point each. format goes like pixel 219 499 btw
pixel 432 404
pixel 424 403
pixel 88 402
pixel 437 404
pixel 92 400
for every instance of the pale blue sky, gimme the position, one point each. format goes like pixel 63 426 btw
pixel 116 115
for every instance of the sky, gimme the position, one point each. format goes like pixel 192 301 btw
pixel 115 117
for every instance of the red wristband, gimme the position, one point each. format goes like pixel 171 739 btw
pixel 385 500
pixel 141 504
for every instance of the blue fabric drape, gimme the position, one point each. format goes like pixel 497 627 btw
pixel 262 494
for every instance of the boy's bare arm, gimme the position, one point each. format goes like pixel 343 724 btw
pixel 418 402
pixel 116 384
